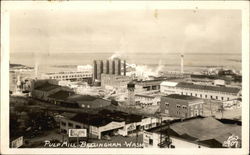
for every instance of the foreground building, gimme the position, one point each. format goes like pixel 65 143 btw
pixel 181 106
pixel 198 132
pixel 221 93
pixel 107 123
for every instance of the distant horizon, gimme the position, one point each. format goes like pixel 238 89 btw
pixel 189 53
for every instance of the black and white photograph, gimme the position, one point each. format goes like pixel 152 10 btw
pixel 153 77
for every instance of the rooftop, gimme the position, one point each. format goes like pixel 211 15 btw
pixel 147 96
pixel 169 83
pixel 104 117
pixel 201 129
pixel 182 97
pixel 76 98
pixel 211 88
pixel 61 95
pixel 91 119
pixel 47 87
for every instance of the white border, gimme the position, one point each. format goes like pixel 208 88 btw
pixel 122 5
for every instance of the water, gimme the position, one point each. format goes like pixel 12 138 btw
pixel 68 61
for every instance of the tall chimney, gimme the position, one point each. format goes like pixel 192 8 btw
pixel 124 68
pixel 182 57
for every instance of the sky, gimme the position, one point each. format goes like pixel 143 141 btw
pixel 122 31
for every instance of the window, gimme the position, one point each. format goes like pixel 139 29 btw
pixel 196 95
pixel 201 95
pixel 166 111
pixel 228 98
pixel 63 123
pixel 150 141
pixel 205 96
pixel 211 97
pixel 78 126
pixel 222 98
pixel 191 94
pixel 167 104
pixel 70 125
pixel 172 146
pixel 216 97
pixel 184 107
pixel 178 106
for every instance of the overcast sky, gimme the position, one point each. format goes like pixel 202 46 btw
pixel 187 31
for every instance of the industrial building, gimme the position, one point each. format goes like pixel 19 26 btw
pixel 70 99
pixel 41 89
pixel 111 66
pixel 112 81
pixel 107 123
pixel 148 85
pixel 147 100
pixel 196 132
pixel 181 106
pixel 221 93
pixel 72 75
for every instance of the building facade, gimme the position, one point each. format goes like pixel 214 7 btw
pixel 147 100
pixel 220 93
pixel 111 81
pixel 73 75
pixel 107 123
pixel 181 106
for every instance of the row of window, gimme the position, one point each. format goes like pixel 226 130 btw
pixel 71 76
pixel 206 96
pixel 70 125
pixel 183 107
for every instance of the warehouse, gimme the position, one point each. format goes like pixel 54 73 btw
pixel 221 93
pixel 197 132
pixel 41 89
pixel 70 99
pixel 103 123
pixel 107 122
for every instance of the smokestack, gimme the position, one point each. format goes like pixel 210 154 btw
pixel 36 69
pixel 124 68
pixel 182 57
pixel 94 70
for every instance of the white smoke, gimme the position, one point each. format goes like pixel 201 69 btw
pixel 144 72
pixel 115 55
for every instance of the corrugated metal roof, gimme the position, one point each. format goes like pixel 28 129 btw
pixel 211 88
pixel 182 97
pixel 47 87
pixel 169 83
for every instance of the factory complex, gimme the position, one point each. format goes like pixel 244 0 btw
pixel 106 101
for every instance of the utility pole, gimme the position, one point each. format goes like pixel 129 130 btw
pixel 211 108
